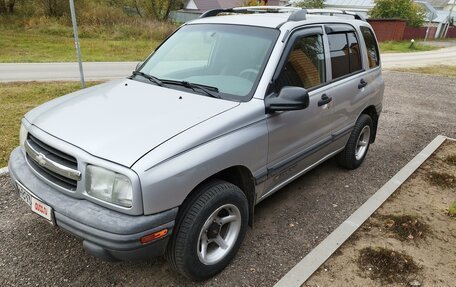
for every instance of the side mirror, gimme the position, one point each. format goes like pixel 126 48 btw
pixel 138 65
pixel 289 99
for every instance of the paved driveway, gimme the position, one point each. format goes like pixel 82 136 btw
pixel 287 225
pixel 110 70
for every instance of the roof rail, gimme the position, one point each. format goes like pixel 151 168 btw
pixel 215 12
pixel 298 14
pixel 332 12
pixel 251 10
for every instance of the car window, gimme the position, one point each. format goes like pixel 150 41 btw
pixel 228 57
pixel 371 47
pixel 340 62
pixel 305 65
pixel 345 54
pixel 355 54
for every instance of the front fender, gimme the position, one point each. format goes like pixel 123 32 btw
pixel 166 184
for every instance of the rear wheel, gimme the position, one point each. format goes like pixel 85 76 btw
pixel 209 231
pixel 358 144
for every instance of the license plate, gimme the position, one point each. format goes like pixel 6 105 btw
pixel 36 205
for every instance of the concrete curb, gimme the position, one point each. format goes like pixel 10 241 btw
pixel 4 170
pixel 309 264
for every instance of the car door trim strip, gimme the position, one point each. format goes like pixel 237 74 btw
pixel 280 167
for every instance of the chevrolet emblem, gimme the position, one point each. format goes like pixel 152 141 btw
pixel 41 159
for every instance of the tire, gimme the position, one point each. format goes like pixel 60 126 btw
pixel 352 156
pixel 185 251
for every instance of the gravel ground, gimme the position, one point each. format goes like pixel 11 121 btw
pixel 287 225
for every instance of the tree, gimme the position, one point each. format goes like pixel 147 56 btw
pixel 55 8
pixel 247 3
pixel 407 10
pixel 7 6
pixel 160 9
pixel 310 4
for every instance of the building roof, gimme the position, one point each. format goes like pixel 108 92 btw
pixel 351 3
pixel 438 3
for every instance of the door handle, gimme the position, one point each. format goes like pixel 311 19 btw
pixel 324 100
pixel 362 84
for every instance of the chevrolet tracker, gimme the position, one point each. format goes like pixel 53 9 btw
pixel 226 111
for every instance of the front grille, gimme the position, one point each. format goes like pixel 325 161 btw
pixel 56 165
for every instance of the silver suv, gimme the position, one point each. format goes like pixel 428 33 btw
pixel 226 111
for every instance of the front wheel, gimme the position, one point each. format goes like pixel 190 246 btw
pixel 209 231
pixel 356 149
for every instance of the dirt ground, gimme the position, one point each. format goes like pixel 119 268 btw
pixel 287 225
pixel 426 238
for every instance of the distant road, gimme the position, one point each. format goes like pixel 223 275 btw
pixel 110 70
pixel 445 56
pixel 69 71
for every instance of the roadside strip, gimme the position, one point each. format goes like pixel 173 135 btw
pixel 3 170
pixel 312 261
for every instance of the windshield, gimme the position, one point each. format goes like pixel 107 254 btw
pixel 227 57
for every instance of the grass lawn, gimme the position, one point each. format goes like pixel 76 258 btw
pixel 404 47
pixel 35 46
pixel 18 98
pixel 439 70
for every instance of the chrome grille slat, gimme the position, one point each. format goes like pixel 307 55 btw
pixel 53 177
pixel 52 164
pixel 52 151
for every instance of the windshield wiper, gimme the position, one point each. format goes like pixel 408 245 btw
pixel 149 77
pixel 208 90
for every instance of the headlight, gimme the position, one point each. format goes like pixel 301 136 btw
pixel 109 186
pixel 22 135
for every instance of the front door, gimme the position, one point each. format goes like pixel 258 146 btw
pixel 298 139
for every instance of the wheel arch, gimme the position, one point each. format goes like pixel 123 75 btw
pixel 372 112
pixel 238 175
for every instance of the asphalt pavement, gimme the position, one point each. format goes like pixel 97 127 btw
pixel 93 71
pixel 288 224
pixel 10 72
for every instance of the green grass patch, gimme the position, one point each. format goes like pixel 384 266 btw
pixel 438 70
pixel 452 210
pixel 35 46
pixel 18 98
pixel 404 47
pixel 51 40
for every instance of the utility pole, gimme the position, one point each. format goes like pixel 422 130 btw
pixel 447 27
pixel 76 41
pixel 429 26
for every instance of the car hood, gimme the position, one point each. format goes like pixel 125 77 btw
pixel 122 120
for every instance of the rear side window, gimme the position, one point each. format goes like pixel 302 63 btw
pixel 305 65
pixel 345 54
pixel 371 47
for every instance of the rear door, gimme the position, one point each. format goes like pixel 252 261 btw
pixel 348 80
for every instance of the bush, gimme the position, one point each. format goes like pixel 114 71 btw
pixel 402 9
pixel 310 4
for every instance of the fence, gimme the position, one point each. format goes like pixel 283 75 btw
pixel 396 30
pixel 388 29
pixel 418 33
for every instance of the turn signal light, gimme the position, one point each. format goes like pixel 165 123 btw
pixel 150 237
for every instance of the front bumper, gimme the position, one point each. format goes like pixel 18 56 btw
pixel 107 234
